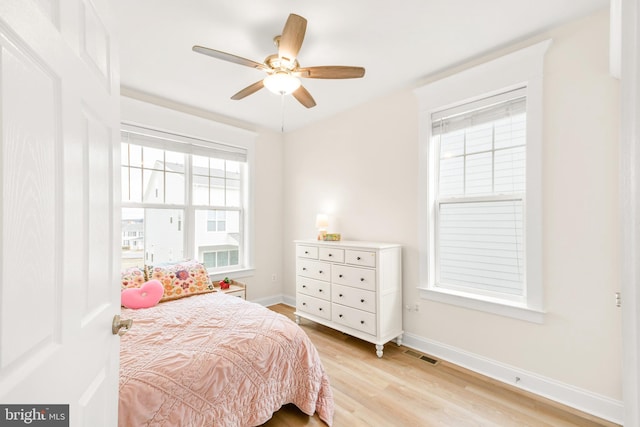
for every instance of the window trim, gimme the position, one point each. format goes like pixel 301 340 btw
pixel 517 69
pixel 237 150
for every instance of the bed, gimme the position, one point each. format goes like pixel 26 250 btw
pixel 216 360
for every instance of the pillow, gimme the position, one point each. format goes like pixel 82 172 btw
pixel 145 296
pixel 132 277
pixel 181 280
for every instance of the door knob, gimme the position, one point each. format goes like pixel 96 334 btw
pixel 120 326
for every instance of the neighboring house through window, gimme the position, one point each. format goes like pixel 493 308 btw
pixel 183 198
pixel 480 193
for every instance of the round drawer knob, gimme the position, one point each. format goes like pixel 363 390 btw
pixel 362 279
pixel 340 295
pixel 304 303
pixel 320 271
pixel 362 322
pixel 340 275
pixel 304 286
pixel 339 315
pixel 358 258
pixel 306 252
pixel 330 254
pixel 320 309
pixel 362 300
pixel 304 268
pixel 319 290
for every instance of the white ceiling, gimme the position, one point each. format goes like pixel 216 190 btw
pixel 398 42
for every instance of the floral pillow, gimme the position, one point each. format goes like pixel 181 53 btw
pixel 132 277
pixel 181 280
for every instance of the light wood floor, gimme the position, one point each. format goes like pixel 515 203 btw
pixel 402 390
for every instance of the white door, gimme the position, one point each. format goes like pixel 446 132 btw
pixel 59 220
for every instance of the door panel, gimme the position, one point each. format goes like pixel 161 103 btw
pixel 59 264
pixel 28 207
pixel 94 42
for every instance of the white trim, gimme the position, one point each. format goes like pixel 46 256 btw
pixel 232 274
pixel 575 397
pixel 289 300
pixel 276 299
pixel 476 302
pixel 521 68
pixel 630 207
pixel 615 38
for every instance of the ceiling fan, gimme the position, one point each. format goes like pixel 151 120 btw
pixel 283 69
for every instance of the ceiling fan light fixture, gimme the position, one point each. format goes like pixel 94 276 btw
pixel 281 83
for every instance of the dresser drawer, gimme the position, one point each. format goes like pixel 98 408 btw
pixel 353 276
pixel 314 269
pixel 363 258
pixel 331 254
pixel 315 306
pixel 314 288
pixel 354 318
pixel 354 297
pixel 310 252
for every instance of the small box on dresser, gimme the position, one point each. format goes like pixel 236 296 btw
pixel 354 287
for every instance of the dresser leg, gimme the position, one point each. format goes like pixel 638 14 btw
pixel 297 319
pixel 399 340
pixel 379 348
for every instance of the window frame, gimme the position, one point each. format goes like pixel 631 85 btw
pixel 206 148
pixel 522 68
pixel 439 200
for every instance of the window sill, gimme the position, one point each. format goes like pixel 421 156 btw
pixel 231 274
pixel 460 299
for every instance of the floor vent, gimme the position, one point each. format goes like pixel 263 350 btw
pixel 429 360
pixel 421 356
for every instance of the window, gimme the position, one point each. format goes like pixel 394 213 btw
pixel 480 198
pixel 216 221
pixel 183 198
pixel 220 258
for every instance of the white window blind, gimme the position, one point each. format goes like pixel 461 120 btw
pixel 180 143
pixel 480 197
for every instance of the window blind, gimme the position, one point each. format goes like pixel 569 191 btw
pixel 180 143
pixel 481 246
pixel 481 194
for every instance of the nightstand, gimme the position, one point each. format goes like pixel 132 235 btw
pixel 236 289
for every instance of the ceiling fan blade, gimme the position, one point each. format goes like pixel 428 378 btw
pixel 292 37
pixel 331 72
pixel 228 57
pixel 304 97
pixel 248 90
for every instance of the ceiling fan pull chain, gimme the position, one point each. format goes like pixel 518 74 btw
pixel 282 108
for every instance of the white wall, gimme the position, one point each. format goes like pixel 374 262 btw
pixel 361 167
pixel 267 182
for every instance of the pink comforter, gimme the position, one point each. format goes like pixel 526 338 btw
pixel 216 360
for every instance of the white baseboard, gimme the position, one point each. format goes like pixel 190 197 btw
pixel 288 300
pixel 276 299
pixel 583 400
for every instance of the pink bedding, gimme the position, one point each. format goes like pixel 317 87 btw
pixel 216 360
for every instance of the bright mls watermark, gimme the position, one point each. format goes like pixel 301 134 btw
pixel 34 415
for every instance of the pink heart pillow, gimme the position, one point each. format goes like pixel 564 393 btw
pixel 145 296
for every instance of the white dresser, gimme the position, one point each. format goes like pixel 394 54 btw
pixel 354 287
